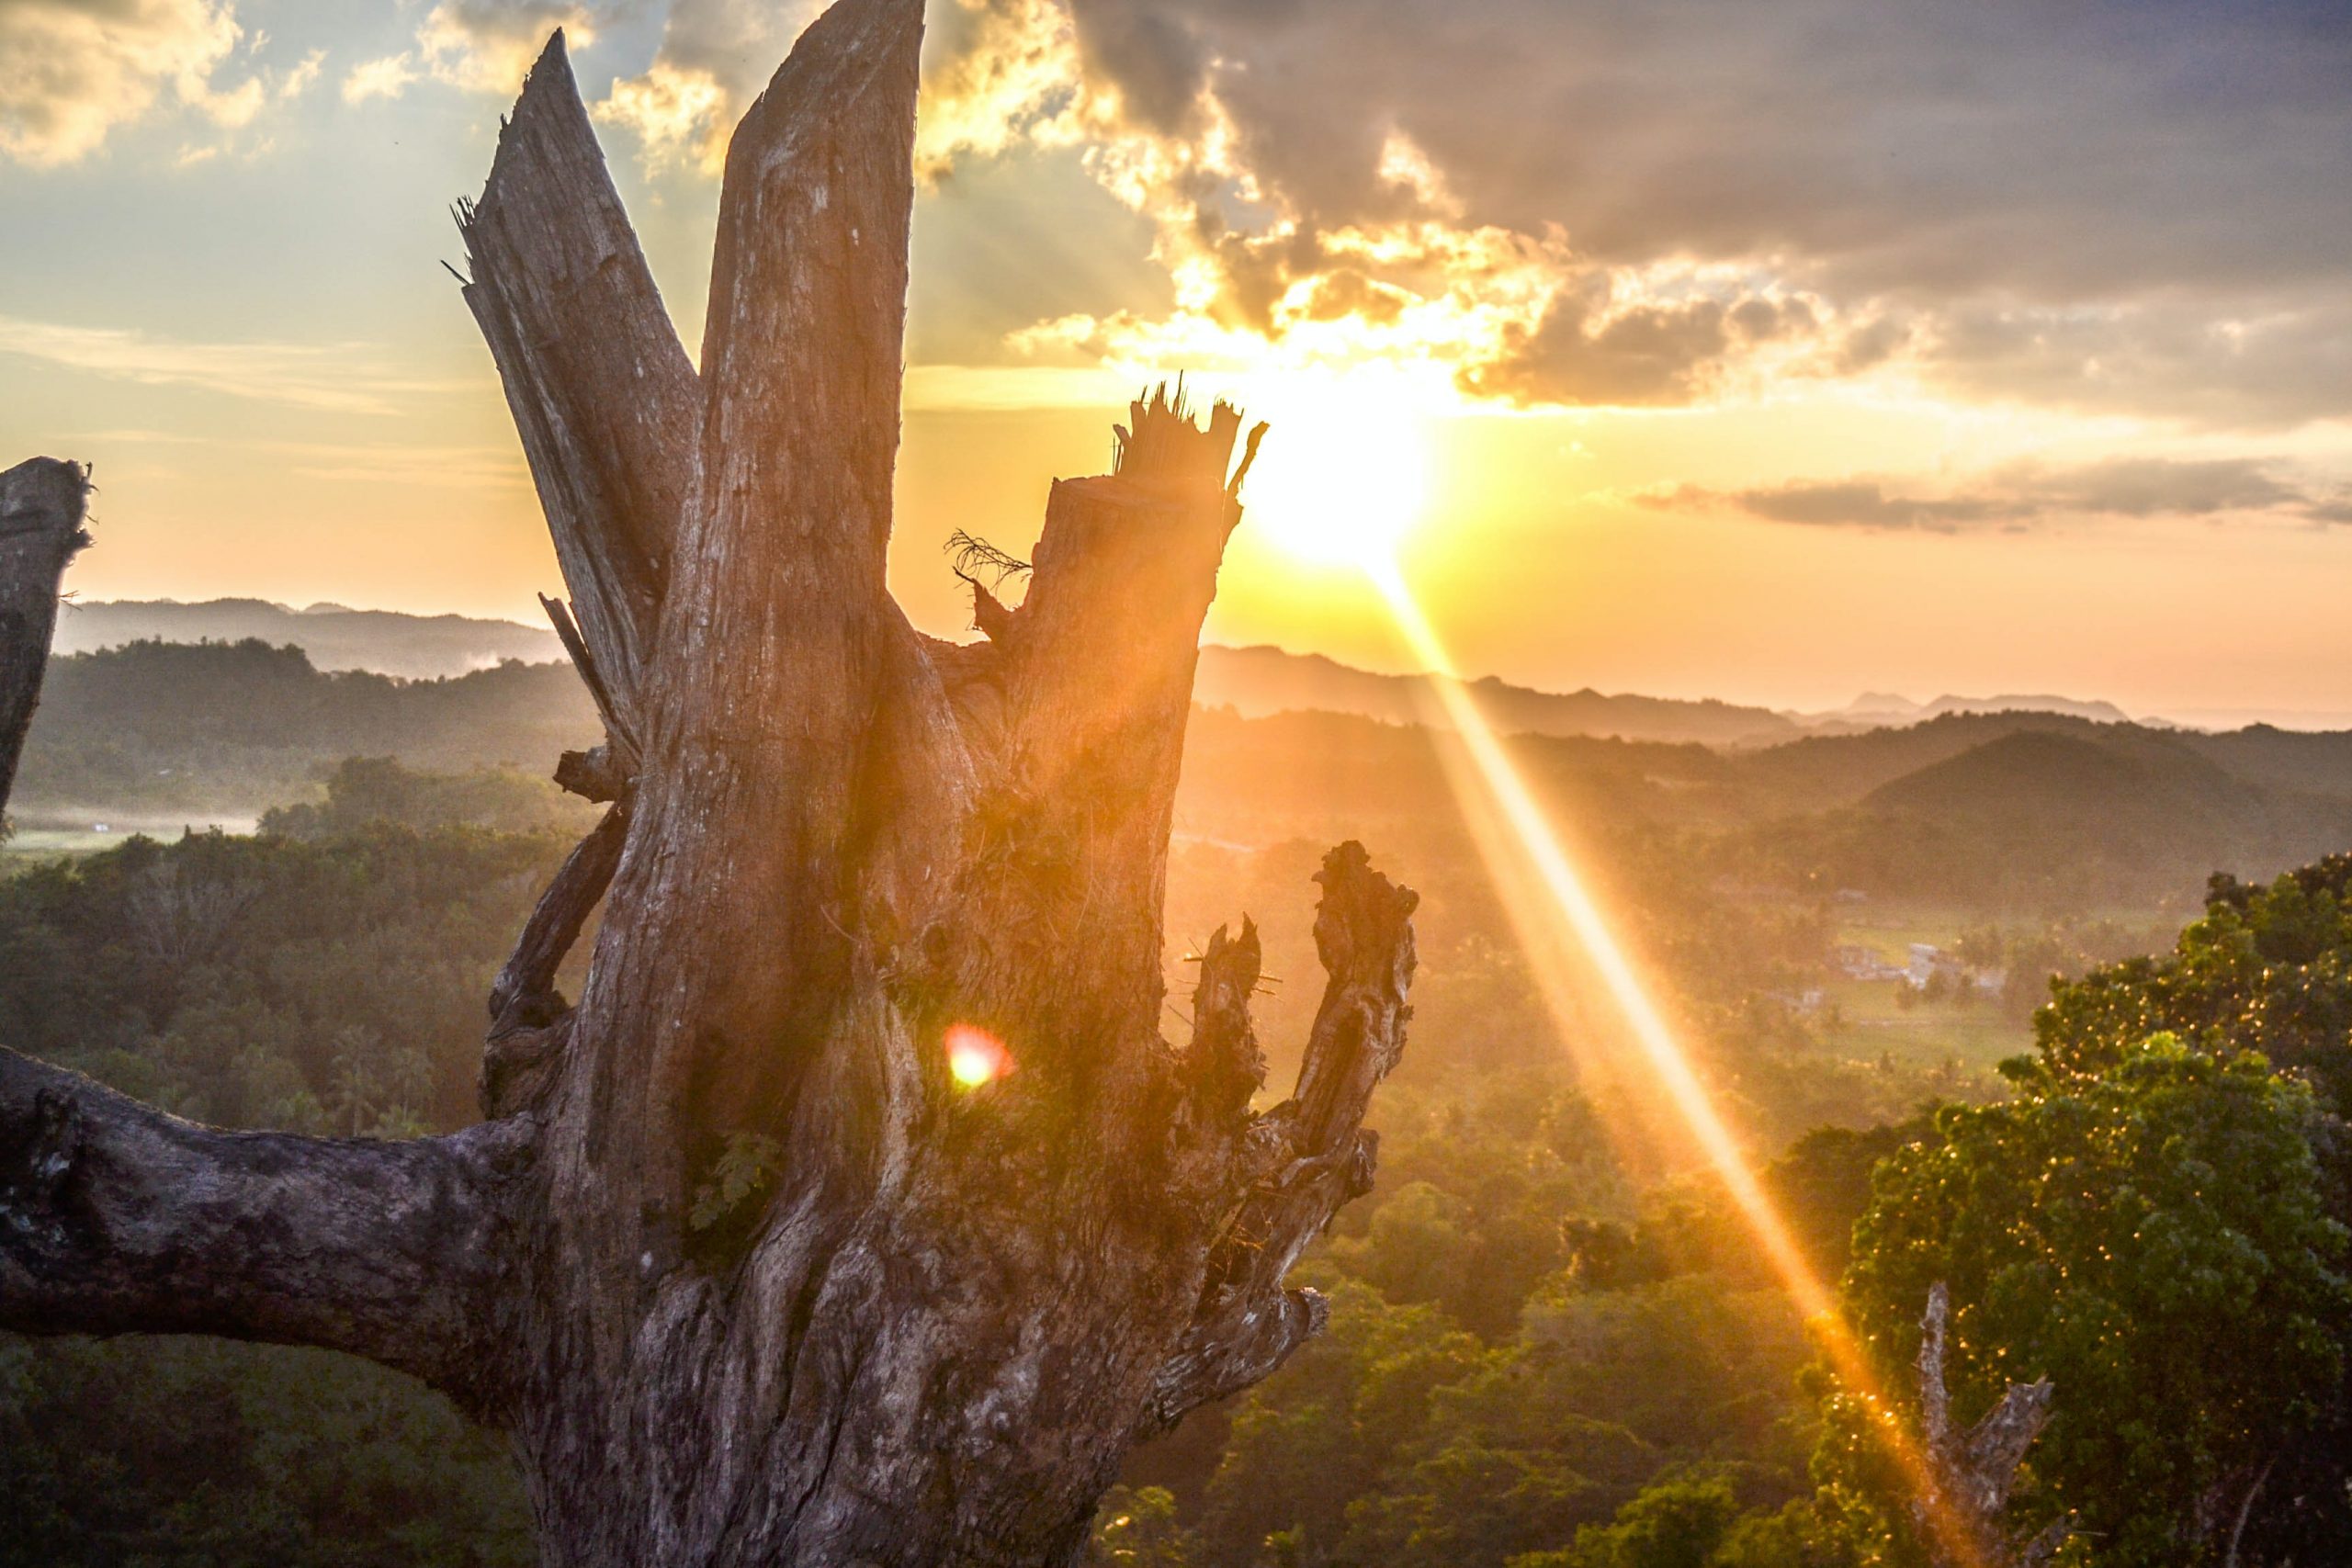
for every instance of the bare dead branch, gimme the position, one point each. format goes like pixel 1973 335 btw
pixel 524 994
pixel 1975 1471
pixel 973 559
pixel 802 350
pixel 1309 1155
pixel 1088 692
pixel 790 681
pixel 115 1218
pixel 601 391
pixel 621 748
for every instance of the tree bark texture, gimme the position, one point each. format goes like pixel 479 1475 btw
pixel 747 1270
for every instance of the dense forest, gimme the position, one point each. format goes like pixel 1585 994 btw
pixel 1553 1345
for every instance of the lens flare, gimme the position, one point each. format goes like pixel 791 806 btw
pixel 1531 835
pixel 975 1056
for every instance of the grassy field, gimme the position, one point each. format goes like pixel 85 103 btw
pixel 46 833
pixel 1870 1020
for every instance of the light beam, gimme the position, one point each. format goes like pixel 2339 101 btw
pixel 1661 1052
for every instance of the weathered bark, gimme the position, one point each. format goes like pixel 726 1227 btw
pixel 41 502
pixel 1972 1472
pixel 117 1218
pixel 944 1313
pixel 602 391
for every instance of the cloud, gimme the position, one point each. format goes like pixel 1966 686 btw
pixel 72 71
pixel 2019 495
pixel 2112 208
pixel 345 378
pixel 2214 362
pixel 298 81
pixel 385 78
pixel 714 59
pixel 378 462
pixel 2100 209
pixel 475 46
pixel 1583 351
pixel 487 46
pixel 680 114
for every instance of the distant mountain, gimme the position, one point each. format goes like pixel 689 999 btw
pixel 1841 767
pixel 1873 710
pixel 1258 682
pixel 2127 783
pixel 385 641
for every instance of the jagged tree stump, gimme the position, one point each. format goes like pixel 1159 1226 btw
pixel 751 1276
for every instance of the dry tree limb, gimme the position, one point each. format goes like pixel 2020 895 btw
pixel 601 391
pixel 1973 1471
pixel 115 1218
pixel 1308 1156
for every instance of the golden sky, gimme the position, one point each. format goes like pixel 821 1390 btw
pixel 1771 353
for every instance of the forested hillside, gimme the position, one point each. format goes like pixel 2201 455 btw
pixel 1552 1347
pixel 386 642
pixel 1552 1344
pixel 232 728
pixel 2034 814
pixel 327 976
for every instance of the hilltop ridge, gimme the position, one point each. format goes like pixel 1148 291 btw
pixel 1256 680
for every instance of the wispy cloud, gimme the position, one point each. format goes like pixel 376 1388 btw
pixel 679 113
pixel 347 378
pixel 370 463
pixel 386 78
pixel 715 57
pixel 2016 496
pixel 298 81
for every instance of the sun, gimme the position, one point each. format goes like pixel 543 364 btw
pixel 1343 476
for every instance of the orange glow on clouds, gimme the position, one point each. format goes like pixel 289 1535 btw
pixel 975 1056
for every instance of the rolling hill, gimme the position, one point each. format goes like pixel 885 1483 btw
pixel 2021 807
pixel 386 642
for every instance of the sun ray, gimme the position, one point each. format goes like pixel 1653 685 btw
pixel 1569 902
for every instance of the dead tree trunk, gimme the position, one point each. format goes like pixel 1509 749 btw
pixel 1971 1474
pixel 41 500
pixel 746 1271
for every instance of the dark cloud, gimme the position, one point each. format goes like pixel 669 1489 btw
pixel 2209 358
pixel 2141 207
pixel 2020 494
pixel 1584 351
pixel 1845 503
pixel 1150 51
pixel 1646 354
pixel 2152 487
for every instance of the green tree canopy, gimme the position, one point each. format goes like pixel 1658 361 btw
pixel 2153 1237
